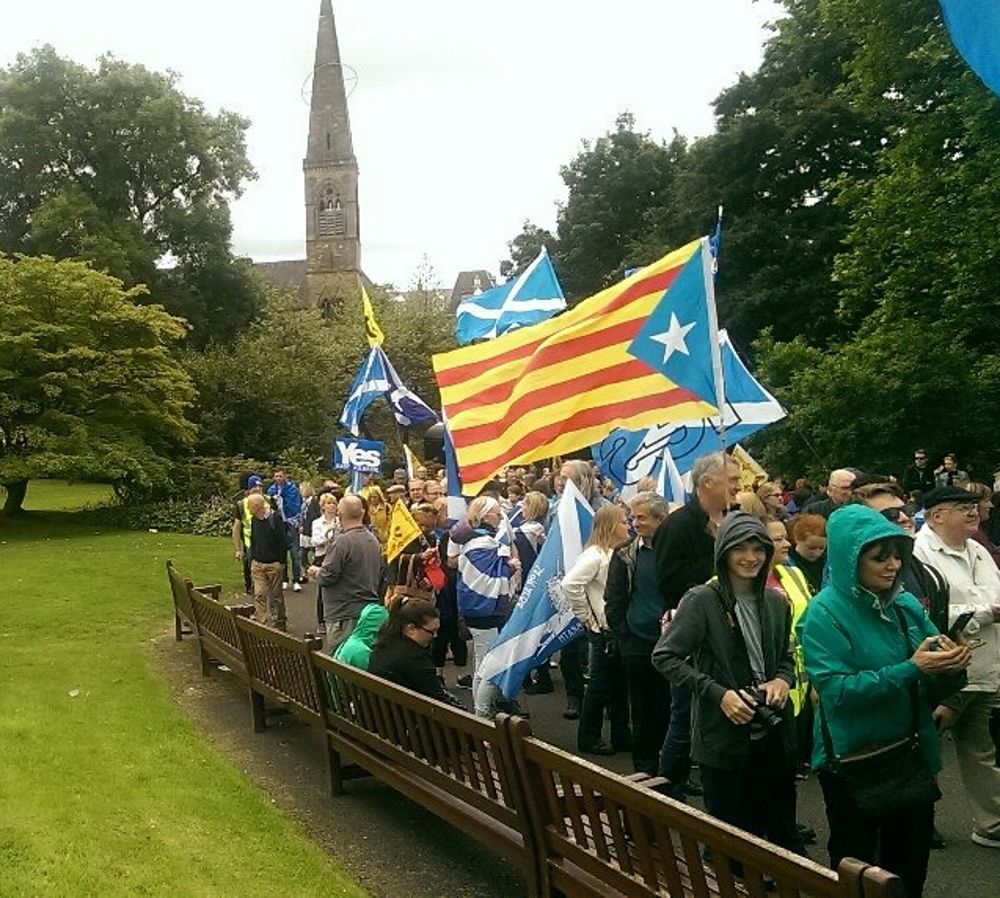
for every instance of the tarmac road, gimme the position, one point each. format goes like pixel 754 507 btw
pixel 395 848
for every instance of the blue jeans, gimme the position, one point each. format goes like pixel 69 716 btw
pixel 675 755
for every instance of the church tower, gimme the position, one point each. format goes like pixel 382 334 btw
pixel 333 241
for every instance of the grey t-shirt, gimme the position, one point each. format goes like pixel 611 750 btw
pixel 748 615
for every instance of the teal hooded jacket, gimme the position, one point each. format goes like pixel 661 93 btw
pixel 858 657
pixel 356 650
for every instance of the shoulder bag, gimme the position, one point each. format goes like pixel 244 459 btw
pixel 887 779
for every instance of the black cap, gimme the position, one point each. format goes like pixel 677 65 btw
pixel 941 494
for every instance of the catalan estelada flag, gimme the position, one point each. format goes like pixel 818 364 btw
pixel 644 351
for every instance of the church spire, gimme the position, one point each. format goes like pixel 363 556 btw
pixel 329 124
pixel 333 241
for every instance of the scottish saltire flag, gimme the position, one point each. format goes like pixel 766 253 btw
pixel 669 483
pixel 532 296
pixel 542 621
pixel 975 29
pixel 375 378
pixel 565 383
pixel 626 456
pixel 457 506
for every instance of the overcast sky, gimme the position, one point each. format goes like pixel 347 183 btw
pixel 462 112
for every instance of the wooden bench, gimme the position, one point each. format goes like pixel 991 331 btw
pixel 182 603
pixel 279 669
pixel 218 639
pixel 458 766
pixel 598 834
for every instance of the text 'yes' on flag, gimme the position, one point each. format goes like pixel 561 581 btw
pixel 534 295
pixel 542 621
pixel 642 352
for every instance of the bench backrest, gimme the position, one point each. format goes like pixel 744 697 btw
pixel 179 589
pixel 464 756
pixel 280 667
pixel 217 631
pixel 600 834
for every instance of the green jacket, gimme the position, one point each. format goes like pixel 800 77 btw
pixel 356 650
pixel 857 656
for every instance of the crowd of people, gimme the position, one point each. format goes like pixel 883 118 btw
pixel 755 633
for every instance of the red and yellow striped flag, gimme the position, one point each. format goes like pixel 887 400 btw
pixel 564 384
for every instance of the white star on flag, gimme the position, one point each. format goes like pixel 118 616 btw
pixel 673 338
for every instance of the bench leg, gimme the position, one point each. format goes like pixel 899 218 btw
pixel 206 667
pixel 336 774
pixel 257 711
pixel 178 630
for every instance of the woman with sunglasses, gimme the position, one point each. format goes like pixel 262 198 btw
pixel 879 667
pixel 402 650
pixel 919 579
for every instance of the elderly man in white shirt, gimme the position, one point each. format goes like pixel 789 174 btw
pixel 974 585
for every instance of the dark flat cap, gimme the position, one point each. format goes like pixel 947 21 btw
pixel 941 494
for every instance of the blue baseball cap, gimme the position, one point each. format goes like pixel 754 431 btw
pixel 254 480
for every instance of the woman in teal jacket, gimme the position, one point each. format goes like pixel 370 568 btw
pixel 864 667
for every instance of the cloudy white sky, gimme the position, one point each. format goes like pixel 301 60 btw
pixel 462 112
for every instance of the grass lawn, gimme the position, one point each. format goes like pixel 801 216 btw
pixel 105 787
pixel 60 495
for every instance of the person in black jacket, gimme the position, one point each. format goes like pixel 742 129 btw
pixel 634 605
pixel 268 545
pixel 730 643
pixel 402 650
pixel 685 551
pixel 918 477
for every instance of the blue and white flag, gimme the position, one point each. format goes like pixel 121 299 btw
pixel 975 30
pixel 669 483
pixel 534 295
pixel 458 508
pixel 542 621
pixel 375 378
pixel 626 456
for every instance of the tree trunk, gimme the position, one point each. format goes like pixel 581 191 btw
pixel 15 498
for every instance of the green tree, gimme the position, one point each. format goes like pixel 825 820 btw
pixel 116 166
pixel 614 184
pixel 525 247
pixel 282 383
pixel 917 304
pixel 89 385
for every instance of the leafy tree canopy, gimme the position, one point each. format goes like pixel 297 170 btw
pixel 89 385
pixel 116 166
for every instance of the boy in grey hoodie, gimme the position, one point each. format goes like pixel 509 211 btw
pixel 729 641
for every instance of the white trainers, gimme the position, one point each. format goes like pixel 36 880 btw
pixel 296 586
pixel 985 841
pixel 284 584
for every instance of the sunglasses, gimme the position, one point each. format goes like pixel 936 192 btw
pixel 894 514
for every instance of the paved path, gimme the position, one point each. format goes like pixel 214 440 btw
pixel 395 848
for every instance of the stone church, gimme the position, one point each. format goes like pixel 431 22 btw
pixel 331 272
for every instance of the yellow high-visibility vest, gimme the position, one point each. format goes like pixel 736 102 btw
pixel 793 582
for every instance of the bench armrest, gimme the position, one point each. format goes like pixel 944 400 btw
pixel 214 591
pixel 243 610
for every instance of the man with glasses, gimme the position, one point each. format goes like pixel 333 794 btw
pixel 838 493
pixel 918 477
pixel 945 544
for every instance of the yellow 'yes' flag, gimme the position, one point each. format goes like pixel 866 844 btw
pixel 372 331
pixel 403 530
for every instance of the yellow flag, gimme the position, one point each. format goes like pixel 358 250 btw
pixel 372 331
pixel 412 462
pixel 402 530
pixel 751 473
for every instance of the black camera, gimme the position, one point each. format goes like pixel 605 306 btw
pixel 764 717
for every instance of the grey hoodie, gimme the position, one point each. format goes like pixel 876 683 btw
pixel 704 648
